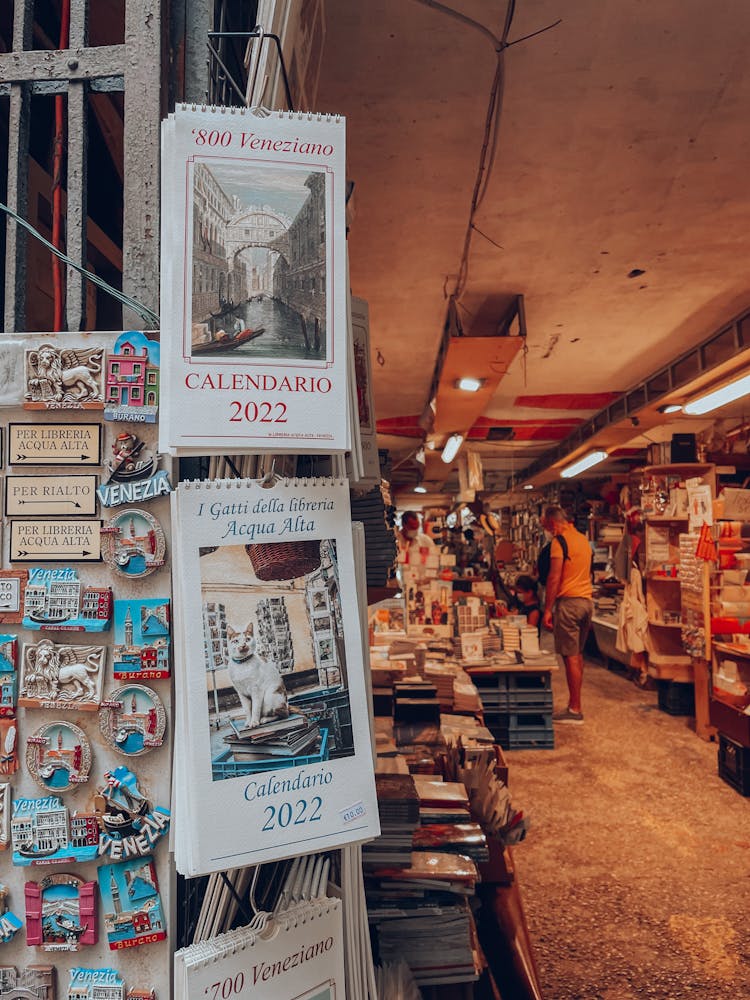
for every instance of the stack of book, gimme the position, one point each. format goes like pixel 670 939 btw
pixel 290 737
pixel 467 839
pixel 421 915
pixel 465 695
pixel 380 535
pixel 398 807
pixel 441 801
pixel 441 675
pixel 415 701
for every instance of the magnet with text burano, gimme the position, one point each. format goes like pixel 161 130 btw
pixel 133 475
pixel 129 824
pixel 132 720
pixel 55 600
pixel 133 543
pixel 133 913
pixel 64 378
pixel 142 630
pixel 9 922
pixel 132 379
pixel 58 756
pixel 61 912
pixel 44 833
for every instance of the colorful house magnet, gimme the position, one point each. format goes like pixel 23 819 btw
pixel 133 913
pixel 130 826
pixel 62 677
pixel 58 756
pixel 132 379
pixel 133 720
pixel 37 981
pixel 96 984
pixel 61 913
pixel 8 746
pixel 141 650
pixel 133 543
pixel 55 600
pixel 64 379
pixel 8 674
pixel 44 834
pixel 9 922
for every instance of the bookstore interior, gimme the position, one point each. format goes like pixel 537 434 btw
pixel 353 557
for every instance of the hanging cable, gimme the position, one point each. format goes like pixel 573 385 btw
pixel 58 293
pixel 134 305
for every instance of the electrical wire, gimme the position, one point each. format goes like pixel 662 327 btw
pixel 134 305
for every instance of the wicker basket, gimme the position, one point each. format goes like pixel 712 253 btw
pixel 284 560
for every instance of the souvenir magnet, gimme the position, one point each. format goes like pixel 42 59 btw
pixel 58 756
pixel 12 586
pixel 8 746
pixel 129 825
pixel 141 650
pixel 95 984
pixel 76 540
pixel 8 674
pixel 4 815
pixel 133 543
pixel 137 994
pixel 61 913
pixel 35 981
pixel 54 444
pixel 133 913
pixel 9 922
pixel 133 474
pixel 43 833
pixel 133 720
pixel 132 379
pixel 50 496
pixel 62 677
pixel 67 379
pixel 54 600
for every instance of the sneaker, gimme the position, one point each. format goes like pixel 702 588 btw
pixel 568 715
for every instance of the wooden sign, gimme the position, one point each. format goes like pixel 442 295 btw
pixel 12 585
pixel 55 541
pixel 53 496
pixel 54 444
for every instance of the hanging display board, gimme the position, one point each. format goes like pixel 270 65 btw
pixel 80 796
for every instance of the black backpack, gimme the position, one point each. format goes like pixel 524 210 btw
pixel 544 562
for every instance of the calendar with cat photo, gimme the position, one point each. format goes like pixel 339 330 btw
pixel 276 676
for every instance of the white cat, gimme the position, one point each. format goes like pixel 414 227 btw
pixel 258 682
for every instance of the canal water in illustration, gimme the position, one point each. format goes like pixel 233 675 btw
pixel 282 336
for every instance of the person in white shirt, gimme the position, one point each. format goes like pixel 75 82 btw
pixel 413 544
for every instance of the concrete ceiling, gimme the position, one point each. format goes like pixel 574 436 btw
pixel 623 146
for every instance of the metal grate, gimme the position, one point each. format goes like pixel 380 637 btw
pixel 133 69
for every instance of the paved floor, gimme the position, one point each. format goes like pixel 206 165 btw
pixel 636 870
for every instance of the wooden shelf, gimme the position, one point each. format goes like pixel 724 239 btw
pixel 731 650
pixel 658 576
pixel 667 520
pixel 680 467
pixel 665 624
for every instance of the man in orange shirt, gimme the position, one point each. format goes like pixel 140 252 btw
pixel 568 604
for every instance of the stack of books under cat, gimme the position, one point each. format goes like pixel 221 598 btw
pixel 290 737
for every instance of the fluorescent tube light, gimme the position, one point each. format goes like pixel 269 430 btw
pixel 528 486
pixel 593 458
pixel 420 489
pixel 712 400
pixel 671 408
pixel 469 384
pixel 450 450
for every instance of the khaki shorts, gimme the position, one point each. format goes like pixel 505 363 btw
pixel 571 624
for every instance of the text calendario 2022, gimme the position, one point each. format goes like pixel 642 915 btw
pixel 273 754
pixel 255 312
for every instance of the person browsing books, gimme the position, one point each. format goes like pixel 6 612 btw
pixel 568 604
pixel 414 546
pixel 527 600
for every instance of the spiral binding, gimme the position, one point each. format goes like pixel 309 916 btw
pixel 318 116
pixel 205 953
pixel 296 482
